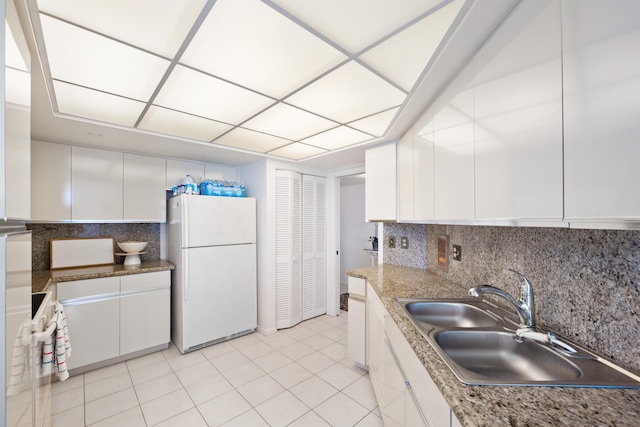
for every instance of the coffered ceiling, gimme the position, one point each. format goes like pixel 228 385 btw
pixel 294 79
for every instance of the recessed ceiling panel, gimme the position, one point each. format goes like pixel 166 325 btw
pixel 356 24
pixel 158 26
pixel 348 93
pixel 162 120
pixel 377 124
pixel 289 122
pixel 249 43
pixel 87 59
pixel 13 58
pixel 18 87
pixel 91 104
pixel 200 94
pixel 403 57
pixel 297 151
pixel 337 138
pixel 249 140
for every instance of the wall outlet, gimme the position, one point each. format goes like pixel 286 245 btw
pixel 457 252
pixel 392 242
pixel 404 242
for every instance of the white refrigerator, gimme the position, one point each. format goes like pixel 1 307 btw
pixel 212 243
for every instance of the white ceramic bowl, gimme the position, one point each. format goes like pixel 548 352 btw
pixel 132 246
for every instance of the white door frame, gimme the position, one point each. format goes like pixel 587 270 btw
pixel 333 237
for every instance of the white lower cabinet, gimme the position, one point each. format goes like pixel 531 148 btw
pixel 115 316
pixel 406 394
pixel 92 309
pixel 356 342
pixel 145 302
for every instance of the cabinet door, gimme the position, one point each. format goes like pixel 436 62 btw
pixel 423 169
pixel 225 173
pixel 405 177
pixel 145 309
pixel 393 390
pixel 50 181
pixel 96 185
pixel 601 75
pixel 144 188
pixel 93 321
pixel 375 343
pixel 454 153
pixel 518 117
pixel 177 171
pixel 380 183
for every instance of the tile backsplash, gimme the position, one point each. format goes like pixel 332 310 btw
pixel 43 233
pixel 586 282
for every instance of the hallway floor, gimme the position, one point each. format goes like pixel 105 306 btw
pixel 296 377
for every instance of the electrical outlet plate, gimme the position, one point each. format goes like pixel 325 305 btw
pixel 392 242
pixel 443 252
pixel 404 242
pixel 457 252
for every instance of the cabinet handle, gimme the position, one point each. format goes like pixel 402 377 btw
pixel 90 299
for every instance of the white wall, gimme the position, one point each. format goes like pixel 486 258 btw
pixel 354 231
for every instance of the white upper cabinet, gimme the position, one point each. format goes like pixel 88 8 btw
pixel 517 96
pixel 380 183
pixel 144 188
pixel 423 169
pixel 404 164
pixel 601 108
pixel 225 173
pixel 96 185
pixel 453 138
pixel 177 171
pixel 415 172
pixel 50 181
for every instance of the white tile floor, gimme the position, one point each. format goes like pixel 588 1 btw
pixel 297 377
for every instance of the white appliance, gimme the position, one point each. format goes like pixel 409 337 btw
pixel 212 243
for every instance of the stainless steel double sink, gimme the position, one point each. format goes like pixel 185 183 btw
pixel 477 341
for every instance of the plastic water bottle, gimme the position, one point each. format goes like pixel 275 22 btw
pixel 190 187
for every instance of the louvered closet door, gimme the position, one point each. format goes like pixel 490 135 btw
pixel 314 237
pixel 288 249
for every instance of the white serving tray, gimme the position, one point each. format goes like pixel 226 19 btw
pixel 85 252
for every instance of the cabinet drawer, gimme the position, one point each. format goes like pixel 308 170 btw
pixel 86 288
pixel 146 281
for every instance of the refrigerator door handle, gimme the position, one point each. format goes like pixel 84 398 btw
pixel 185 225
pixel 185 280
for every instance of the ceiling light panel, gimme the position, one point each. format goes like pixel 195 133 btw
pixel 349 93
pixel 249 43
pixel 13 57
pixel 297 151
pixel 289 122
pixel 162 120
pixel 356 24
pixel 403 57
pixel 17 87
pixel 200 94
pixel 158 26
pixel 249 140
pixel 91 104
pixel 337 138
pixel 87 59
pixel 376 124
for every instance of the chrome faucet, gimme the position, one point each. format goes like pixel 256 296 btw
pixel 525 306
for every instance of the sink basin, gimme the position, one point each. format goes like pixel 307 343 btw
pixel 477 341
pixel 450 314
pixel 493 355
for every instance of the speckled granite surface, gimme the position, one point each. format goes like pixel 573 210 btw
pixel 42 234
pixel 416 254
pixel 488 405
pixel 41 279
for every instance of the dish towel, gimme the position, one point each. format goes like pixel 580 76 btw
pixel 20 362
pixel 62 349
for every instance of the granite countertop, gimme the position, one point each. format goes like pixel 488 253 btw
pixel 492 405
pixel 41 279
